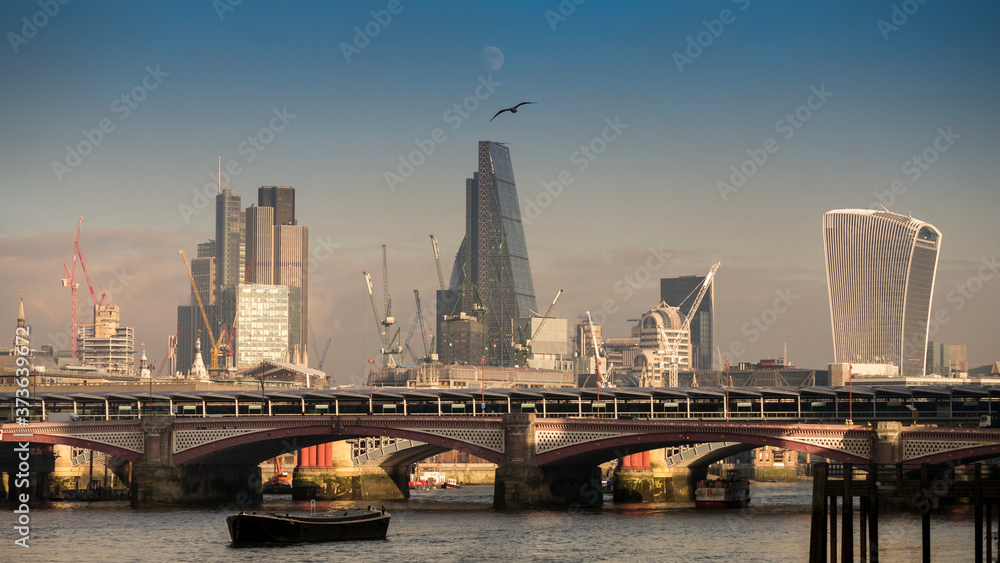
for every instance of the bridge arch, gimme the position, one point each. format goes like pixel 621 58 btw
pixel 566 443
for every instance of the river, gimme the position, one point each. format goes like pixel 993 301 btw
pixel 461 525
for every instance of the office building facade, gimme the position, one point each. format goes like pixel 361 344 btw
pixel 680 292
pixel 262 324
pixel 277 253
pixel 880 270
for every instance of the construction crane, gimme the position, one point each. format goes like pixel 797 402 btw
pixel 322 357
pixel 387 338
pixel 525 340
pixel 437 261
pixel 672 349
pixel 204 315
pixel 420 317
pixel 601 379
pixel 70 282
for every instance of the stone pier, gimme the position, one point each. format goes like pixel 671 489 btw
pixel 157 482
pixel 643 477
pixel 325 472
pixel 522 484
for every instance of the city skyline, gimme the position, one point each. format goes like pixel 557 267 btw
pixel 666 137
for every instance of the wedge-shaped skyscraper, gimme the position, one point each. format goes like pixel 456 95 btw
pixel 880 269
pixel 491 279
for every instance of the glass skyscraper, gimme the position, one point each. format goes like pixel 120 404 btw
pixel 880 269
pixel 492 275
pixel 680 292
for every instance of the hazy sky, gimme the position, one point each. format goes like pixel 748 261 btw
pixel 628 168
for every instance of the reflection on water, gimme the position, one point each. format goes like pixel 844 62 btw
pixel 461 525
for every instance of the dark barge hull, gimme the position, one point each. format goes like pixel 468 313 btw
pixel 271 528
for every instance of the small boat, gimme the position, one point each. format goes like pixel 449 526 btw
pixel 731 492
pixel 450 484
pixel 344 525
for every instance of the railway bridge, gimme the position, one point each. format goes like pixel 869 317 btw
pixel 542 461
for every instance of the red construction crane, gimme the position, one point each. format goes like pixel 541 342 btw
pixel 86 275
pixel 70 282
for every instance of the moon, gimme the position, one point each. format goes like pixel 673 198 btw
pixel 492 58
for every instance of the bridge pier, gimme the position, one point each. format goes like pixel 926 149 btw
pixel 888 444
pixel 157 482
pixel 325 472
pixel 521 483
pixel 652 481
pixel 236 485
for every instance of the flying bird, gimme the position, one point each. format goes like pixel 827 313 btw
pixel 512 110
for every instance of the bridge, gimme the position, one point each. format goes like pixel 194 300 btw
pixel 544 459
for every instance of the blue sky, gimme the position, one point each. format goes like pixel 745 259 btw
pixel 215 79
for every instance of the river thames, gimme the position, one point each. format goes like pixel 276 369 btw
pixel 461 525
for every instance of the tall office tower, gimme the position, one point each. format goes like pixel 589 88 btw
pixel 880 269
pixel 260 245
pixel 492 272
pixel 228 260
pixel 680 292
pixel 291 269
pixel 228 238
pixel 282 199
pixel 279 250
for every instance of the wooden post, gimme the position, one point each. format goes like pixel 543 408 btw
pixel 989 528
pixel 873 513
pixel 817 532
pixel 978 495
pixel 925 516
pixel 862 529
pixel 847 535
pixel 833 529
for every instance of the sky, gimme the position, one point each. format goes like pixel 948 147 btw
pixel 666 136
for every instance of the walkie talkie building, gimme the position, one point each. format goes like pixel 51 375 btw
pixel 880 269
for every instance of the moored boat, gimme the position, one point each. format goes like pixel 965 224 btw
pixel 731 492
pixel 344 525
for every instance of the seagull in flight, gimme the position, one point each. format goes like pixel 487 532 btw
pixel 512 110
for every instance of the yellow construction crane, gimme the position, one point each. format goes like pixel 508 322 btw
pixel 204 315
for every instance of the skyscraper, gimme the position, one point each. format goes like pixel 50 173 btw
pixel 880 269
pixel 680 292
pixel 228 238
pixel 282 200
pixel 492 274
pixel 279 250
